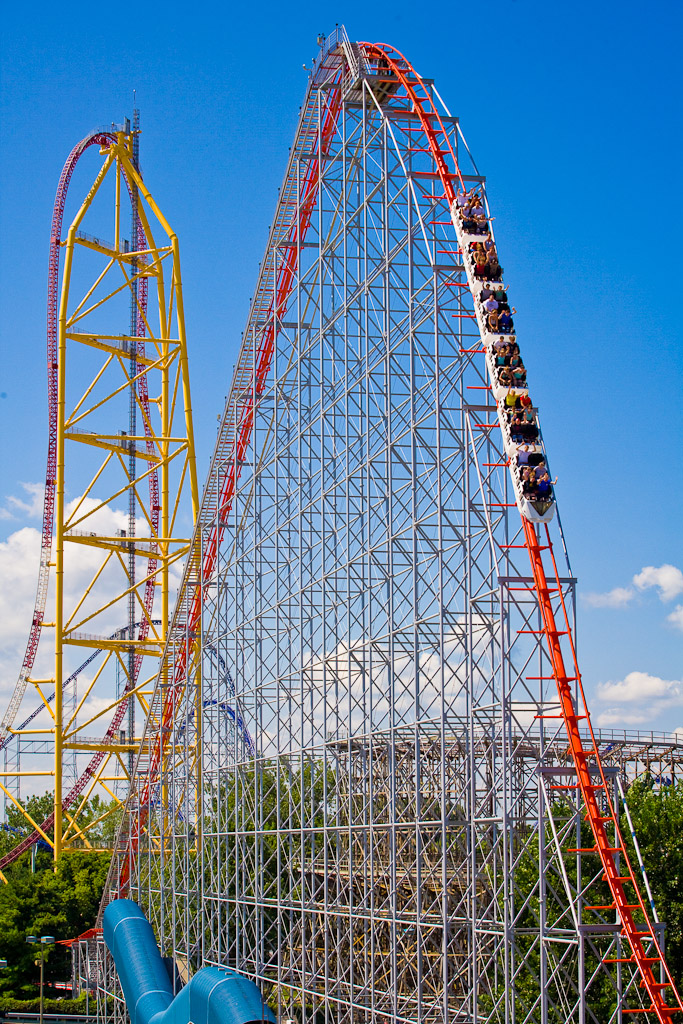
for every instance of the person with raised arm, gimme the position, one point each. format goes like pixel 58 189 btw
pixel 519 375
pixel 506 322
pixel 511 399
pixel 545 485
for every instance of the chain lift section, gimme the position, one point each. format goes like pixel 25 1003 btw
pixel 288 235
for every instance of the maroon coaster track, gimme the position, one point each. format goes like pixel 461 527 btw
pixel 103 139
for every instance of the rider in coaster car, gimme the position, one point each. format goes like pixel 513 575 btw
pixel 519 375
pixel 482 268
pixel 545 485
pixel 463 202
pixel 490 304
pixel 511 399
pixel 506 322
pixel 517 428
pixel 495 271
pixel 530 485
pixel 478 213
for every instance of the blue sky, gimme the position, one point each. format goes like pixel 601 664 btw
pixel 572 112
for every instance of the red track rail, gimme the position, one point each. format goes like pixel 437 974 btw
pixel 289 251
pixel 94 139
pixel 444 157
pixel 611 854
pixel 98 138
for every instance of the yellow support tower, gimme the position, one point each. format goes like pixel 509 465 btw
pixel 126 493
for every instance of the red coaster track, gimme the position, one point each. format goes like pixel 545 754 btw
pixel 613 855
pixel 251 374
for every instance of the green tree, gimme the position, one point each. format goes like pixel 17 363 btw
pixel 62 903
pixel 657 816
pixel 528 894
pixel 99 819
pixel 16 826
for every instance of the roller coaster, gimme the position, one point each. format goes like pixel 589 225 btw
pixel 367 777
pixel 103 284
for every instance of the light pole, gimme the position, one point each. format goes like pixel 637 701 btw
pixel 44 940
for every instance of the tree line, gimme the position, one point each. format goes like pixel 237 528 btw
pixel 37 900
pixel 40 900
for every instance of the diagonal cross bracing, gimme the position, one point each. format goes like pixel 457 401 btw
pixel 392 848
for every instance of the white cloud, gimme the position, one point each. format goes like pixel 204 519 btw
pixel 618 718
pixel 16 507
pixel 524 714
pixel 19 561
pixel 666 578
pixel 619 597
pixel 676 617
pixel 361 688
pixel 19 558
pixel 637 698
pixel 641 686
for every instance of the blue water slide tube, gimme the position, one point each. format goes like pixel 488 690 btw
pixel 214 995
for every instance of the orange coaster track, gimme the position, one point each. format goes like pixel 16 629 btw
pixel 247 386
pixel 614 856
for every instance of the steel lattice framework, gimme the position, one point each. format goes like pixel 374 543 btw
pixel 121 469
pixel 368 778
